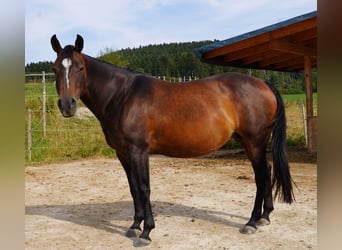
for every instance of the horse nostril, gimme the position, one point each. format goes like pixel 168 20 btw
pixel 73 103
pixel 59 103
pixel 67 106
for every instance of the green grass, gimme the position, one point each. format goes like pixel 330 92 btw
pixel 298 98
pixel 36 89
pixel 65 139
pixel 75 138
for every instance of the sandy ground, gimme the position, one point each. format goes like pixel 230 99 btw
pixel 197 204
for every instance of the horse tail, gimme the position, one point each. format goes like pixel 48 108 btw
pixel 281 172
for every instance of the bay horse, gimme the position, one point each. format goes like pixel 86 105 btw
pixel 142 115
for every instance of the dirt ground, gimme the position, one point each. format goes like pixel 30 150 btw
pixel 197 204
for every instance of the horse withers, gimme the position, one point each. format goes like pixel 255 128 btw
pixel 142 115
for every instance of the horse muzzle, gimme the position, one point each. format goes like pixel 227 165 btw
pixel 67 106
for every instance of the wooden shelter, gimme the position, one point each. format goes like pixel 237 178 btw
pixel 287 46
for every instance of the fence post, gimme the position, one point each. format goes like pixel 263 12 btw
pixel 29 134
pixel 44 104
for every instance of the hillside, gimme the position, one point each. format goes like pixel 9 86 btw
pixel 169 60
pixel 177 61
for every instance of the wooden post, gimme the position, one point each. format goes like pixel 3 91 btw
pixel 309 104
pixel 44 104
pixel 308 86
pixel 304 125
pixel 29 134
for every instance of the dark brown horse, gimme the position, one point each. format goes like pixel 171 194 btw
pixel 142 115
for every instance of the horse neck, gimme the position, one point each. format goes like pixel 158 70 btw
pixel 106 85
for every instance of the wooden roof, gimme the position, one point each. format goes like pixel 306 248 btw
pixel 281 46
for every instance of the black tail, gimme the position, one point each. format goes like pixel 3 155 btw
pixel 281 173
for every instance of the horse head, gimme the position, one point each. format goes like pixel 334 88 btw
pixel 70 74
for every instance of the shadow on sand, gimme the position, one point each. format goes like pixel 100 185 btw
pixel 101 216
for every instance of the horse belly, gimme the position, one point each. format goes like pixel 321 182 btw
pixel 189 139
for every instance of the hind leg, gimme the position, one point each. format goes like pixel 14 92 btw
pixel 268 200
pixel 263 199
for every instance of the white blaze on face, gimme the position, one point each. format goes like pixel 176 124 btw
pixel 67 64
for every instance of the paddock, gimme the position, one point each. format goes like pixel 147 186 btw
pixel 87 205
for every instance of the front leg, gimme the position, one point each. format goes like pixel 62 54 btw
pixel 134 230
pixel 138 163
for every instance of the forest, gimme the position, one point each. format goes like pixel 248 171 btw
pixel 177 61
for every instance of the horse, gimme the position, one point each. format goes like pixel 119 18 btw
pixel 142 115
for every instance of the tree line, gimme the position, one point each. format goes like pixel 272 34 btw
pixel 178 61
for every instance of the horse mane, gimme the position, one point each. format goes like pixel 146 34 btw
pixel 130 70
pixel 118 83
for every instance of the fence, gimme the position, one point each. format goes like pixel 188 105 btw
pixel 43 75
pixel 49 136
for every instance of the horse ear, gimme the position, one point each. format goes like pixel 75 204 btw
pixel 56 46
pixel 79 44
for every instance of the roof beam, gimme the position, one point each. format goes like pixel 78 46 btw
pixel 274 60
pixel 244 44
pixel 310 34
pixel 290 63
pixel 259 57
pixel 300 66
pixel 292 29
pixel 292 48
pixel 236 55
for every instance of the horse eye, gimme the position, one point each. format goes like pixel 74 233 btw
pixel 81 68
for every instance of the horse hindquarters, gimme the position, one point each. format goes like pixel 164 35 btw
pixel 256 150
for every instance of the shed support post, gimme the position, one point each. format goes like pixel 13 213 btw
pixel 310 119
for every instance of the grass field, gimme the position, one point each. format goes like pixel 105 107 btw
pixel 75 138
pixel 300 98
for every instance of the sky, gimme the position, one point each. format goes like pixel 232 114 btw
pixel 114 25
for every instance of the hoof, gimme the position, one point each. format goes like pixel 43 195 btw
pixel 133 232
pixel 141 242
pixel 263 222
pixel 247 229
